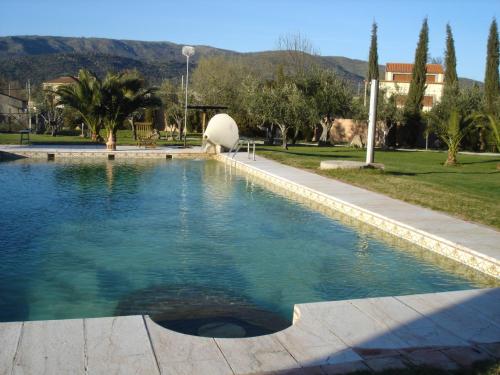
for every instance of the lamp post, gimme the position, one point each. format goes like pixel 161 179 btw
pixel 187 51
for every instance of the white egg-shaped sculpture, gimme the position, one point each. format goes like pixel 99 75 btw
pixel 222 130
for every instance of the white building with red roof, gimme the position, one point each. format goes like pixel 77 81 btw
pixel 55 83
pixel 397 82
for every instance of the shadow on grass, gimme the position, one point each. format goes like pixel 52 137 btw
pixel 288 152
pixel 396 173
pixel 480 162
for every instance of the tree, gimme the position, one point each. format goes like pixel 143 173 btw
pixel 121 95
pixel 51 112
pixel 454 118
pixel 373 71
pixel 494 124
pixel 450 76
pixel 332 99
pixel 451 131
pixel 281 103
pixel 389 116
pixel 172 97
pixel 219 80
pixel 413 105
pixel 491 78
pixel 299 53
pixel 84 96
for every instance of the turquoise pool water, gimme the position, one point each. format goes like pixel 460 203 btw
pixel 188 243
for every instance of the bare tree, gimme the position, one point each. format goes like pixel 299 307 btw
pixel 300 52
pixel 51 113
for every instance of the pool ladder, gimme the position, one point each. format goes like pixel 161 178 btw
pixel 236 148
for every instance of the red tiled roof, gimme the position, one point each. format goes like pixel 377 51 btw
pixel 407 68
pixel 63 79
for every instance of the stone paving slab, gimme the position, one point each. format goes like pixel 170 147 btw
pixel 462 319
pixel 180 354
pixel 119 345
pixel 415 329
pixel 51 347
pixel 256 354
pixel 9 338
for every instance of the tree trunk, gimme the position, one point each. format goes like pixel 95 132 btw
pixel 284 132
pixel 451 160
pixel 326 126
pixel 134 130
pixel 295 136
pixel 315 134
pixel 111 143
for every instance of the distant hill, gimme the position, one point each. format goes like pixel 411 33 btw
pixel 40 58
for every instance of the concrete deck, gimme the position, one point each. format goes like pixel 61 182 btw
pixel 469 243
pixel 447 330
pixel 99 151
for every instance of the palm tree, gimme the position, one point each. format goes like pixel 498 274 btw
pixel 85 97
pixel 494 123
pixel 121 95
pixel 451 130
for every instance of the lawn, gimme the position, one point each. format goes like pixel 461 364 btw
pixel 470 191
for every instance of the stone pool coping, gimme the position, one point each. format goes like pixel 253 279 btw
pixel 92 151
pixel 445 330
pixel 474 245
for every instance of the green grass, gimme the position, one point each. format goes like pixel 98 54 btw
pixel 470 191
pixel 124 137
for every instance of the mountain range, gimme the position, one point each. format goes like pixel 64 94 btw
pixel 40 58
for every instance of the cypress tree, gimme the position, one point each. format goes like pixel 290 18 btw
pixel 417 85
pixel 491 79
pixel 450 62
pixel 373 72
pixel 413 105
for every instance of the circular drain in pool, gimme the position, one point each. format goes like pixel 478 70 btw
pixel 202 311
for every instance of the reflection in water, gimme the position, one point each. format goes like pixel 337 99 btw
pixel 109 175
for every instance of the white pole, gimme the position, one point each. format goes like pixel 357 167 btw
pixel 364 100
pixel 372 120
pixel 29 105
pixel 186 104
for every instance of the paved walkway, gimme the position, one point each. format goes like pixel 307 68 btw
pixel 446 330
pixel 470 243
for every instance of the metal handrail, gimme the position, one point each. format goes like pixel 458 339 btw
pixel 236 148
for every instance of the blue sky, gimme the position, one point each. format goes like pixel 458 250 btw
pixel 340 28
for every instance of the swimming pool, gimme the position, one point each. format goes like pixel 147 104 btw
pixel 193 245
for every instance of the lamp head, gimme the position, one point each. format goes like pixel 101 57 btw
pixel 188 51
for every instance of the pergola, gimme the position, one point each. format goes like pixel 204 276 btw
pixel 204 109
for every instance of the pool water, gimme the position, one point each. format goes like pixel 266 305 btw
pixel 200 249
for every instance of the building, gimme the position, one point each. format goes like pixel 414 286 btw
pixel 397 82
pixel 55 83
pixel 12 109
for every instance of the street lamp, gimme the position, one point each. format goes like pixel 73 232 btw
pixel 187 51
